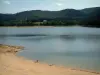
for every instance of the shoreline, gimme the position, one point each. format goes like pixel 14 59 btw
pixel 45 26
pixel 8 53
pixel 40 26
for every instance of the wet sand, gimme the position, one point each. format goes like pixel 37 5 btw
pixel 10 64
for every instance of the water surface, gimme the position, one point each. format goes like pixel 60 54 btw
pixel 77 47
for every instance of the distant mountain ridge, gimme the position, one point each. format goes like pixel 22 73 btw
pixel 62 15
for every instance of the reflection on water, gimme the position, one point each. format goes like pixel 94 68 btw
pixel 72 47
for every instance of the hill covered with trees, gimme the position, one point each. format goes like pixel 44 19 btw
pixel 67 17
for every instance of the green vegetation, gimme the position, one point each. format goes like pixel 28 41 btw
pixel 86 17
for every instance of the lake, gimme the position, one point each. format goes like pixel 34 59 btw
pixel 77 47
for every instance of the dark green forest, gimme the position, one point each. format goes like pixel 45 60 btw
pixel 89 17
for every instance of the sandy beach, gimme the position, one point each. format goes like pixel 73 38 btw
pixel 10 64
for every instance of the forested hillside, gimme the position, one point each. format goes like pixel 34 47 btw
pixel 85 17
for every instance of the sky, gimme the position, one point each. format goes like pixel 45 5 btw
pixel 14 6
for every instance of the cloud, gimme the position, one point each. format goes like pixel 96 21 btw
pixel 7 2
pixel 59 4
pixel 23 8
